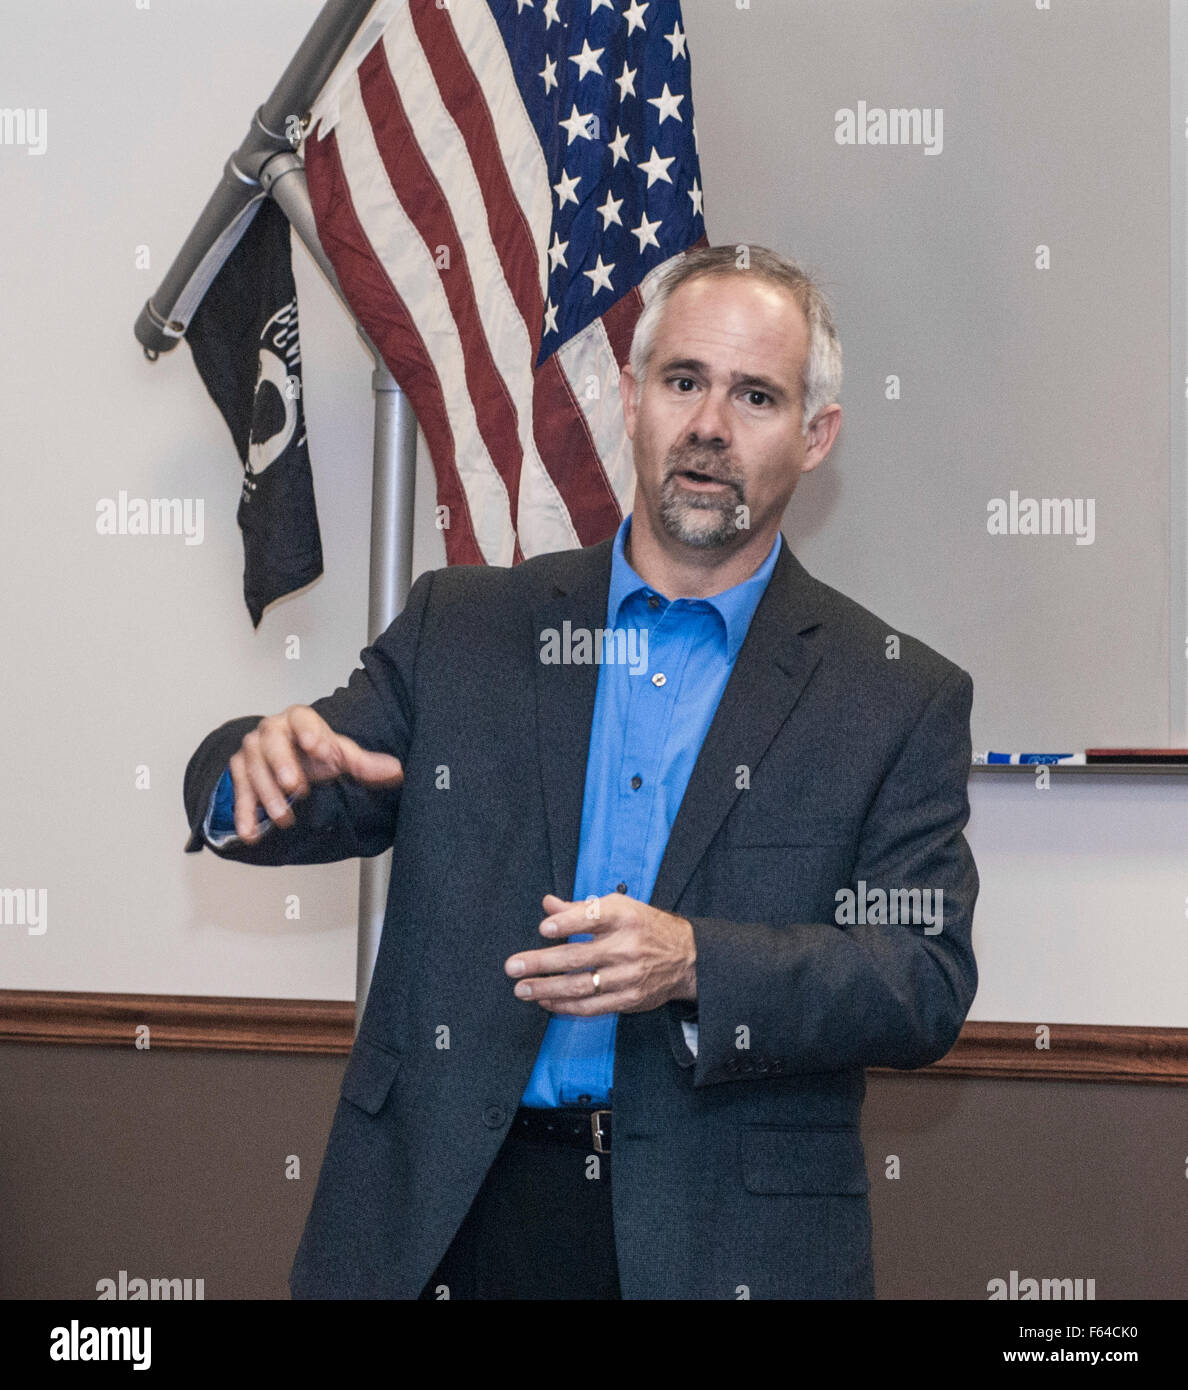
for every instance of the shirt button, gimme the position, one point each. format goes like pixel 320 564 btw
pixel 494 1116
pixel 659 678
pixel 636 782
pixel 653 601
pixel 620 888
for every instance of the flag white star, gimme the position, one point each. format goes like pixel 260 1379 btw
pixel 609 211
pixel 677 39
pixel 550 317
pixel 634 17
pixel 618 146
pixel 626 82
pixel 600 276
pixel 564 189
pixel 587 59
pixel 550 76
pixel 557 253
pixel 520 6
pixel 577 124
pixel 696 194
pixel 598 5
pixel 550 14
pixel 666 103
pixel 695 148
pixel 655 167
pixel 646 232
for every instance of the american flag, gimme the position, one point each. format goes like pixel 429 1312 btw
pixel 496 183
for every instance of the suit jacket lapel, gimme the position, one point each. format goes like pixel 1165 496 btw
pixel 565 708
pixel 772 669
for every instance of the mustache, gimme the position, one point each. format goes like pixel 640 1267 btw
pixel 711 463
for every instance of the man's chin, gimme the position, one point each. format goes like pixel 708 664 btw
pixel 700 528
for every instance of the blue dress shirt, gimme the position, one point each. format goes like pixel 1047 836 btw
pixel 651 716
pixel 647 731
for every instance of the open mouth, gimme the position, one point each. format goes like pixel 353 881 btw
pixel 696 478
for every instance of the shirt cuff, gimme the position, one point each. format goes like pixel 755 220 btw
pixel 218 829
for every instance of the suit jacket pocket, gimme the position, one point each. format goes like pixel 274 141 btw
pixel 369 1075
pixel 813 1162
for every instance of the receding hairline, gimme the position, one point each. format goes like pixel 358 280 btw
pixel 797 290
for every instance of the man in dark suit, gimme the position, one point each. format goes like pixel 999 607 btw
pixel 736 796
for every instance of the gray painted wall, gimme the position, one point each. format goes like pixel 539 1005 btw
pixel 1050 382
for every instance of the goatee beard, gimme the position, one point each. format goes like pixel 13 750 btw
pixel 704 521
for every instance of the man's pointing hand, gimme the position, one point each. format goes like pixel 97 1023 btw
pixel 643 958
pixel 286 754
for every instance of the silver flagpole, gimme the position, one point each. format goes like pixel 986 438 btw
pixel 265 165
pixel 393 495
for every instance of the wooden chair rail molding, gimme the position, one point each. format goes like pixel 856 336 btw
pixel 1075 1052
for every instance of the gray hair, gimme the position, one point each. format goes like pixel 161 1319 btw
pixel 821 378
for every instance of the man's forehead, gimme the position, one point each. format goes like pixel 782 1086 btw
pixel 734 314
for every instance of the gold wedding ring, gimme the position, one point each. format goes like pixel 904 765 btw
pixel 597 982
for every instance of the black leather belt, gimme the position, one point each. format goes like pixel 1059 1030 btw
pixel 566 1124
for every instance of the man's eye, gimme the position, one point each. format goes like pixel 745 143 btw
pixel 679 381
pixel 764 397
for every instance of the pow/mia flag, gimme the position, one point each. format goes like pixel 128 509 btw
pixel 244 339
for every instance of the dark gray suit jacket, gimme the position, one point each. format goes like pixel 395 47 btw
pixel 738 1171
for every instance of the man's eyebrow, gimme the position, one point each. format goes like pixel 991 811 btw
pixel 694 366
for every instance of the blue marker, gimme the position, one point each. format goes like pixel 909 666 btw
pixel 1015 759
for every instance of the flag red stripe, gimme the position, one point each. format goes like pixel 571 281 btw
pixel 386 319
pixel 619 322
pixel 425 204
pixel 565 443
pixel 466 102
pixel 559 426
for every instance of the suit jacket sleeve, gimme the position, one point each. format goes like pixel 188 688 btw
pixel 817 996
pixel 341 819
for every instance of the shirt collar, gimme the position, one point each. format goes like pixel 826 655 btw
pixel 736 605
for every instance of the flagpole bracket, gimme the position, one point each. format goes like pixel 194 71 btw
pixel 279 125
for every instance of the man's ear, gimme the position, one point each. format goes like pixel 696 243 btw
pixel 822 433
pixel 629 395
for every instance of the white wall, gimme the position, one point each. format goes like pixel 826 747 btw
pixel 119 652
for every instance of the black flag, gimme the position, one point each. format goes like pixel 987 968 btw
pixel 244 339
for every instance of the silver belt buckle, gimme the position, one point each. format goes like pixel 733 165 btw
pixel 597 1130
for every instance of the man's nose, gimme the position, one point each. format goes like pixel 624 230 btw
pixel 711 420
